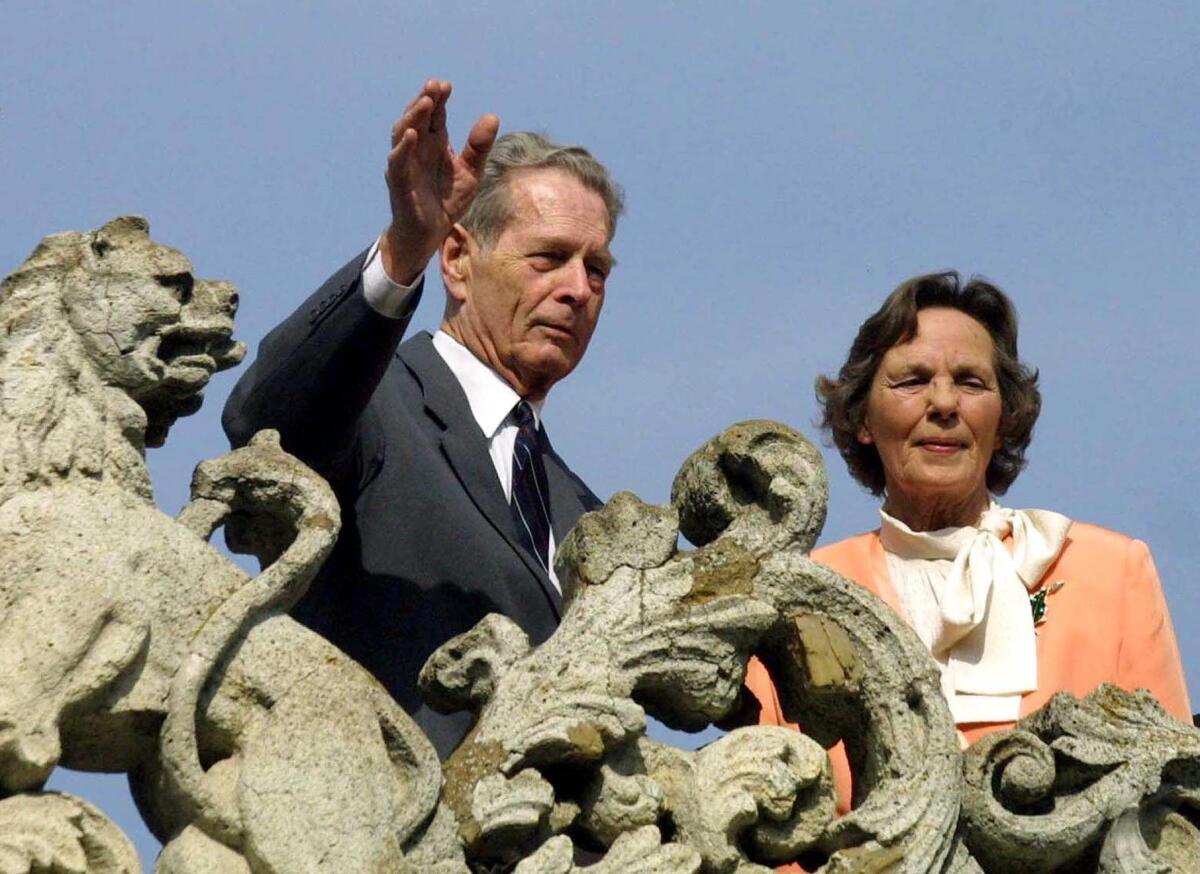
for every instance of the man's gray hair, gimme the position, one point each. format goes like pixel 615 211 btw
pixel 491 209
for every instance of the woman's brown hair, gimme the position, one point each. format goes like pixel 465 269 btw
pixel 844 397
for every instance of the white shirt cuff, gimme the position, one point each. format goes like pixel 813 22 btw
pixel 385 296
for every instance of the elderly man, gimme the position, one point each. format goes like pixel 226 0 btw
pixel 452 497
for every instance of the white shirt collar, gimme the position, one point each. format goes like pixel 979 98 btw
pixel 491 398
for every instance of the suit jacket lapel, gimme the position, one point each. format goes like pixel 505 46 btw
pixel 466 450
pixel 569 498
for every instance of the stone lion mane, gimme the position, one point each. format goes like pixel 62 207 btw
pixel 73 404
pixel 50 425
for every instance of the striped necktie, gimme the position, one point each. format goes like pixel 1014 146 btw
pixel 530 502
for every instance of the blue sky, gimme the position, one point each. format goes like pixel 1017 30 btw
pixel 786 165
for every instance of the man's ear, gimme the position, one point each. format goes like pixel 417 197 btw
pixel 454 259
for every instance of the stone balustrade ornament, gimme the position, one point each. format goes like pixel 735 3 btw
pixel 129 644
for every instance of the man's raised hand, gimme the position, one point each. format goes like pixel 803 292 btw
pixel 429 185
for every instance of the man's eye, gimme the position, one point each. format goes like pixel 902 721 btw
pixel 545 260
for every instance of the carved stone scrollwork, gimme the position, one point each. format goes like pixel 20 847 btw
pixel 127 643
pixel 766 789
pixel 848 668
pixel 1108 783
pixel 558 748
pixel 556 724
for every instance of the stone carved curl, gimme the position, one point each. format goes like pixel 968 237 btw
pixel 847 667
pixel 1108 783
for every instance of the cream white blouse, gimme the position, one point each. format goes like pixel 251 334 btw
pixel 967 596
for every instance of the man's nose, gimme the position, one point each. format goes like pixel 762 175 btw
pixel 575 286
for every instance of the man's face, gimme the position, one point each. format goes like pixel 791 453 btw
pixel 529 303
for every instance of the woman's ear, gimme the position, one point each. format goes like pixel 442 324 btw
pixel 864 435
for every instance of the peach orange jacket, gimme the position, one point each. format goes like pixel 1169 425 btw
pixel 1108 622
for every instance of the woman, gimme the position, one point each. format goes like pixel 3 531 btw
pixel 933 411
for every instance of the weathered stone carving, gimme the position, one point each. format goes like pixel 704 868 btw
pixel 128 644
pixel 1110 781
pixel 647 629
pixel 558 745
pixel 848 667
pixel 55 832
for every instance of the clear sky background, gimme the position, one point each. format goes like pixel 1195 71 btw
pixel 786 166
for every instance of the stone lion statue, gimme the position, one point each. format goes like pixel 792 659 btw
pixel 127 643
pixel 108 340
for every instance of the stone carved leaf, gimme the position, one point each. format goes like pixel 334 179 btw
pixel 765 790
pixel 462 675
pixel 621 798
pixel 511 811
pixel 639 632
pixel 777 787
pixel 1109 782
pixel 687 669
pixel 578 727
pixel 635 852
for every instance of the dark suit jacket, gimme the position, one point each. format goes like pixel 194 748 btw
pixel 428 546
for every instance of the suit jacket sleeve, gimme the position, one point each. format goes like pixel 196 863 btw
pixel 1149 655
pixel 316 372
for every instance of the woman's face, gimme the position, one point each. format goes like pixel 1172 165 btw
pixel 933 414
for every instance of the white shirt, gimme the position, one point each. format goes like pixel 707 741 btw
pixel 490 398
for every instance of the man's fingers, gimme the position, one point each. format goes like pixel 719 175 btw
pixel 416 117
pixel 437 121
pixel 420 112
pixel 427 90
pixel 398 156
pixel 479 141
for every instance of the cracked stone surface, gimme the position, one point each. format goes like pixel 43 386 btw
pixel 129 644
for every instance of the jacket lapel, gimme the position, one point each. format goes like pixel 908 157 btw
pixel 569 497
pixel 466 451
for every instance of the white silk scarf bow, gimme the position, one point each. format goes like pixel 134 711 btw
pixel 967 597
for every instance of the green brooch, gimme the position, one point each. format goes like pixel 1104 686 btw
pixel 1037 601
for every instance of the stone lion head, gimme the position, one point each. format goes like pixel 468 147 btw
pixel 143 321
